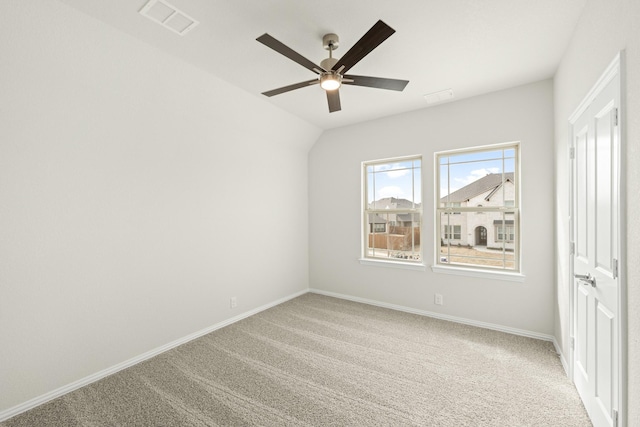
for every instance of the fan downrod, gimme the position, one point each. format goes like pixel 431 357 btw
pixel 330 42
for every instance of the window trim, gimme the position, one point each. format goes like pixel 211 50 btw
pixel 401 264
pixel 477 270
pixel 365 211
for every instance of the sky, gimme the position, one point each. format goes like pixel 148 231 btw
pixel 403 179
pixel 459 170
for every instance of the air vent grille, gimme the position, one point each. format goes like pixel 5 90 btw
pixel 441 96
pixel 168 16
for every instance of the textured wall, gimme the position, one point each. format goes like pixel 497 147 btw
pixel 136 191
pixel 524 114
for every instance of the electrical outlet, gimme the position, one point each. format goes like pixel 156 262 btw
pixel 233 302
pixel 438 299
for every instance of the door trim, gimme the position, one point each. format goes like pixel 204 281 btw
pixel 615 68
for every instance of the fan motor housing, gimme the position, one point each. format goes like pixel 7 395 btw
pixel 328 63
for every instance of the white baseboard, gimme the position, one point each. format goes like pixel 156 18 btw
pixel 565 365
pixel 456 319
pixel 30 404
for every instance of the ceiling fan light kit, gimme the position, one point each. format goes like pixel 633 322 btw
pixel 330 80
pixel 331 71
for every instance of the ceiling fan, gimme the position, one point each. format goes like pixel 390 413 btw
pixel 331 71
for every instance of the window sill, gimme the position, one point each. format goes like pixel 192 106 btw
pixel 471 272
pixel 393 264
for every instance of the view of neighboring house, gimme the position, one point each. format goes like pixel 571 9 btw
pixel 480 228
pixel 380 222
pixel 394 230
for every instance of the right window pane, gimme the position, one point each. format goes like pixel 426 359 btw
pixel 478 208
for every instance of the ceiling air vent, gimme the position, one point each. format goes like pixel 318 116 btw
pixel 441 96
pixel 168 16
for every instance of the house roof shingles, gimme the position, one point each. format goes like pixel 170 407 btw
pixel 376 219
pixel 389 202
pixel 415 217
pixel 487 183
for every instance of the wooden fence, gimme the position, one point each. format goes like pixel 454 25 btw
pixel 398 239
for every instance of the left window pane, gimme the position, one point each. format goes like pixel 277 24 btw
pixel 392 210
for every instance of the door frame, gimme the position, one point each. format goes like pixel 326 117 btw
pixel 615 68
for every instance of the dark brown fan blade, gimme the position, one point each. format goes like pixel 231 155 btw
pixel 376 82
pixel 290 87
pixel 333 98
pixel 279 47
pixel 376 35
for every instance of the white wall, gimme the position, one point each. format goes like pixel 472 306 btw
pixel 606 27
pixel 138 194
pixel 524 113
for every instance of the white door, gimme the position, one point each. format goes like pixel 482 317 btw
pixel 596 154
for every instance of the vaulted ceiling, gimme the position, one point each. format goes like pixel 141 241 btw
pixel 469 46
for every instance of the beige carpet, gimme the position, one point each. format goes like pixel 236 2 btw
pixel 320 361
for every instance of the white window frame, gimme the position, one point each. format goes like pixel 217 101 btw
pixel 365 259
pixel 441 262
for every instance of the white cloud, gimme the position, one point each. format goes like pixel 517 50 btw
pixel 396 172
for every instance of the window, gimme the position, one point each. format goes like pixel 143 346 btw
pixel 452 232
pixel 509 203
pixel 505 232
pixel 482 180
pixel 379 228
pixel 392 210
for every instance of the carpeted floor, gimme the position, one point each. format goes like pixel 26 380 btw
pixel 321 361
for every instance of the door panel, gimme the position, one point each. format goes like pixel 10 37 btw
pixel 582 327
pixel 580 218
pixel 604 226
pixel 595 232
pixel 604 356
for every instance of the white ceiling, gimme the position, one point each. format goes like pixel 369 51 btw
pixel 470 46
